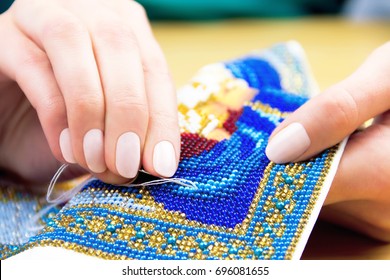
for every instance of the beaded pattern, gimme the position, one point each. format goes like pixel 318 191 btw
pixel 16 209
pixel 244 206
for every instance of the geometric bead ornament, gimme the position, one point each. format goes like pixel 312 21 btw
pixel 243 205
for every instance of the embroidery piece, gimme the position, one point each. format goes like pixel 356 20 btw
pixel 243 206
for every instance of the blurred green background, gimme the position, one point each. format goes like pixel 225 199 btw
pixel 206 9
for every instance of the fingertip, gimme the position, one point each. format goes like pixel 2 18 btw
pixel 66 146
pixel 128 153
pixel 93 146
pixel 161 154
pixel 288 144
pixel 164 159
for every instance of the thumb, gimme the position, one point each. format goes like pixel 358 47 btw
pixel 329 117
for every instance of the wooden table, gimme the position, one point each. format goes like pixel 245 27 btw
pixel 335 47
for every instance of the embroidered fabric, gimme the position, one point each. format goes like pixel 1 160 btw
pixel 243 206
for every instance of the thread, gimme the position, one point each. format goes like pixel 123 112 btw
pixel 65 196
pixel 33 226
pixel 179 181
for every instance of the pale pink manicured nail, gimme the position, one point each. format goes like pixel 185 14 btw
pixel 66 146
pixel 289 144
pixel 128 150
pixel 164 159
pixel 93 145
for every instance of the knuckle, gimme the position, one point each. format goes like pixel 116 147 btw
pixel 154 63
pixel 163 120
pixel 51 106
pixel 116 34
pixel 141 110
pixel 30 61
pixel 86 103
pixel 122 100
pixel 342 108
pixel 63 27
pixel 138 8
pixel 33 59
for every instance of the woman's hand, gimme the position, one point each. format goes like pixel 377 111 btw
pixel 360 193
pixel 89 77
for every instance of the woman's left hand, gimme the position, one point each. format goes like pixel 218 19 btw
pixel 360 194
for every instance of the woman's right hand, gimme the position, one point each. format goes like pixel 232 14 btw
pixel 87 82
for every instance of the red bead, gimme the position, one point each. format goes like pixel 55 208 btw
pixel 193 145
pixel 230 123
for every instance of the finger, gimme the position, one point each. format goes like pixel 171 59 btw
pixel 328 118
pixel 368 217
pixel 29 66
pixel 367 179
pixel 162 147
pixel 67 43
pixel 118 57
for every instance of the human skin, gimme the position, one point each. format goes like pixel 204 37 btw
pixel 84 82
pixel 95 66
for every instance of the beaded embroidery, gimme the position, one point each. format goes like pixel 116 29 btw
pixel 244 206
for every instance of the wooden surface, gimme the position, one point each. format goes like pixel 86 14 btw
pixel 334 48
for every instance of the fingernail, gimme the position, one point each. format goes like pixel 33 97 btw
pixel 93 145
pixel 164 159
pixel 128 150
pixel 289 144
pixel 66 146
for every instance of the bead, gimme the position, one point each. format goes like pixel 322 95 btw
pixel 258 252
pixel 110 228
pixel 140 234
pixel 203 245
pixel 233 250
pixel 279 205
pixel 171 240
pixel 289 180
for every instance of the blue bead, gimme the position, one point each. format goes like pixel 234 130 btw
pixel 289 180
pixel 267 229
pixel 233 250
pixel 171 240
pixel 140 234
pixel 51 223
pixel 110 228
pixel 203 245
pixel 279 205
